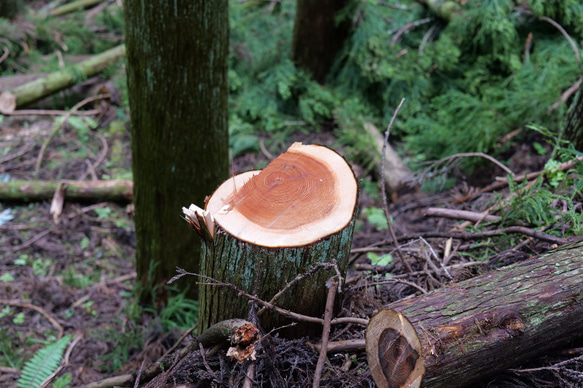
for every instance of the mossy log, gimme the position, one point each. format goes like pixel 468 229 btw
pixel 28 191
pixel 485 325
pixel 261 229
pixel 54 82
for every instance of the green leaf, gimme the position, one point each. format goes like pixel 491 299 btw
pixel 42 364
pixel 382 261
pixel 377 218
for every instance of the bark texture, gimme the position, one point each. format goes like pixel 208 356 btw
pixel 177 84
pixel 482 326
pixel 317 38
pixel 240 263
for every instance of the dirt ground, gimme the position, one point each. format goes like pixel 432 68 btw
pixel 76 276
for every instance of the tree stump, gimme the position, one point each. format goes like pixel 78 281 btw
pixel 261 229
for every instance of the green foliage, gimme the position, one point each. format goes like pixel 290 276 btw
pixel 376 217
pixel 465 80
pixel 550 201
pixel 42 364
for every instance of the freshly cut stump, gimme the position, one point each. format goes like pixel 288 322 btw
pixel 269 226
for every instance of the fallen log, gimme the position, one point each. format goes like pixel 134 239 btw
pixel 29 191
pixel 482 326
pixel 52 83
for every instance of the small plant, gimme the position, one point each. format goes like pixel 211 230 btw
pixel 42 364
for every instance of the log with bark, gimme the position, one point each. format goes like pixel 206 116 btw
pixel 261 229
pixel 54 82
pixel 27 191
pixel 485 325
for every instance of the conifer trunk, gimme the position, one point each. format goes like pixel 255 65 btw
pixel 263 228
pixel 10 8
pixel 317 38
pixel 177 84
pixel 502 319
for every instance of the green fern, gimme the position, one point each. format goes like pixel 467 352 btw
pixel 42 364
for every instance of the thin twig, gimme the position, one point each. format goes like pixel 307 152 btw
pixel 402 281
pixel 139 376
pixel 5 54
pixel 249 375
pixel 384 193
pixel 566 35
pixel 182 337
pixel 285 313
pixel 460 214
pixel 46 112
pixel 28 243
pixel 552 367
pixel 311 271
pixel 49 317
pixel 325 332
pixel 62 121
pixel 497 232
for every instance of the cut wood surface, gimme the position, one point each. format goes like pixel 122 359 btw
pixel 273 225
pixel 306 194
pixel 485 325
pixel 26 191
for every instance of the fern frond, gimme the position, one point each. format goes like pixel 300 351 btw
pixel 42 364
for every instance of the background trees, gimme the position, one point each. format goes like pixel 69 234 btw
pixel 177 77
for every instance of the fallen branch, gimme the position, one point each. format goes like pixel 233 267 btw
pixel 60 124
pixel 325 332
pixel 49 317
pixel 73 6
pixel 498 232
pixel 460 214
pixel 285 313
pixel 384 193
pixel 52 83
pixel 27 191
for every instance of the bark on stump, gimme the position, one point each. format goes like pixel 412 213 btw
pixel 487 324
pixel 269 226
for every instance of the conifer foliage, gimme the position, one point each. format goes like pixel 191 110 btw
pixel 471 71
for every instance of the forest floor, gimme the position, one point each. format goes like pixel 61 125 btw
pixel 71 271
pixel 75 274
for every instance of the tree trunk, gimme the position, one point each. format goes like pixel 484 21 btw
pixel 482 326
pixel 574 129
pixel 266 227
pixel 10 8
pixel 177 84
pixel 317 37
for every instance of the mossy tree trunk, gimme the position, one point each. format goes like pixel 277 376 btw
pixel 10 8
pixel 177 79
pixel 317 37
